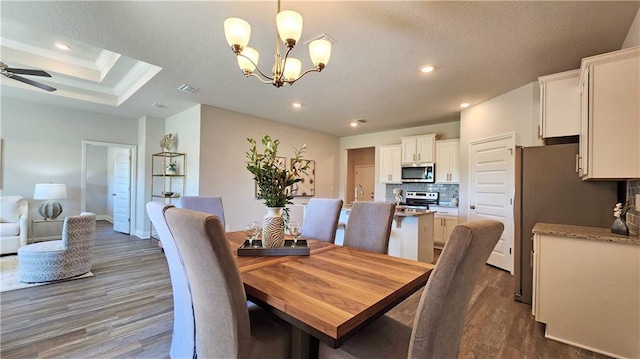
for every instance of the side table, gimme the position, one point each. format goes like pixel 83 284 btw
pixel 47 229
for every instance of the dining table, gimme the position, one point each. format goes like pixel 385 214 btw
pixel 330 294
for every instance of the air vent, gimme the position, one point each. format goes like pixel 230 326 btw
pixel 159 105
pixel 322 36
pixel 188 89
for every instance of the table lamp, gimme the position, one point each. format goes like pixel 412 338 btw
pixel 50 209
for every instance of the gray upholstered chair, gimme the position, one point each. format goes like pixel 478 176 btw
pixel 13 223
pixel 224 326
pixel 61 259
pixel 439 321
pixel 321 219
pixel 211 205
pixel 369 226
pixel 183 341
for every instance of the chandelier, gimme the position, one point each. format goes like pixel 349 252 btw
pixel 286 70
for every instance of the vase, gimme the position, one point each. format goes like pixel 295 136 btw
pixel 171 171
pixel 273 228
pixel 619 226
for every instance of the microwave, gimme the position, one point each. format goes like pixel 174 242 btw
pixel 420 173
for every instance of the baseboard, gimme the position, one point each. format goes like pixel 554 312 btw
pixel 142 234
pixel 104 217
pixel 578 345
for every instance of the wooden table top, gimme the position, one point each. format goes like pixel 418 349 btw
pixel 333 292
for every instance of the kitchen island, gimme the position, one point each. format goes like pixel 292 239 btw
pixel 586 288
pixel 411 234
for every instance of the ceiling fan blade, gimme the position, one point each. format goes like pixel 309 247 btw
pixel 33 83
pixel 28 72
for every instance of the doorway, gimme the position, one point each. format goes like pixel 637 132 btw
pixel 363 158
pixel 364 189
pixel 107 185
pixel 491 191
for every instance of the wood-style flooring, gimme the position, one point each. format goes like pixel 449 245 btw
pixel 125 311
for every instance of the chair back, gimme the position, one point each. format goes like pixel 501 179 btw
pixel 183 343
pixel 78 234
pixel 211 205
pixel 218 297
pixel 439 321
pixel 321 219
pixel 369 226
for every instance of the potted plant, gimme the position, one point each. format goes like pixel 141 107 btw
pixel 274 183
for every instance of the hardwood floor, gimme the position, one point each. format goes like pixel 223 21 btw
pixel 125 311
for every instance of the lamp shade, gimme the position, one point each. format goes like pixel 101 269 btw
pixel 320 52
pixel 237 32
pixel 246 65
pixel 50 191
pixel 289 25
pixel 292 69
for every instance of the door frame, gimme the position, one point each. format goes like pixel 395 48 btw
pixel 511 216
pixel 133 176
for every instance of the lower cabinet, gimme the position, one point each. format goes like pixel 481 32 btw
pixel 587 292
pixel 444 221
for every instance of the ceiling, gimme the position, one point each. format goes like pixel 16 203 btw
pixel 480 49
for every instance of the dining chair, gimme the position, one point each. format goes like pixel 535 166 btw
pixel 439 321
pixel 225 327
pixel 183 341
pixel 206 204
pixel 321 219
pixel 369 226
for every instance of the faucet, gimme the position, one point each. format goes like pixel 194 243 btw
pixel 356 192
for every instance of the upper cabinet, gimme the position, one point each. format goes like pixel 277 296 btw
pixel 610 116
pixel 418 149
pixel 447 161
pixel 390 164
pixel 559 104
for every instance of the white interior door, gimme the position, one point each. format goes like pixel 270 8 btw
pixel 491 190
pixel 365 176
pixel 122 191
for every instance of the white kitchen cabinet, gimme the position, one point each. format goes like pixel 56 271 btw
pixel 444 221
pixel 587 290
pixel 390 164
pixel 418 149
pixel 559 104
pixel 610 117
pixel 448 161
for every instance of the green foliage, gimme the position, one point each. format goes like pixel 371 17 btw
pixel 270 171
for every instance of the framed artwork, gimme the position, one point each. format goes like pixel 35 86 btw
pixel 282 163
pixel 307 185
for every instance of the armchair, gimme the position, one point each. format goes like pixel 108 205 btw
pixel 13 223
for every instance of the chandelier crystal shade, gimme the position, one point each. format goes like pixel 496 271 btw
pixel 286 70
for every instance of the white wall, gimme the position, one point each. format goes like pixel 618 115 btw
pixel 633 36
pixel 223 145
pixel 186 126
pixel 43 143
pixel 444 130
pixel 150 131
pixel 97 182
pixel 515 111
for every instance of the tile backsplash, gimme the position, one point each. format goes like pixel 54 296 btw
pixel 446 190
pixel 633 215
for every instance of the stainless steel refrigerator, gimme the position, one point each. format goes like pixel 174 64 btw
pixel 548 189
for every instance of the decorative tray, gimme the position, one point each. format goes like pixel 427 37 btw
pixel 300 249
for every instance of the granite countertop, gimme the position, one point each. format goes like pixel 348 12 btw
pixel 582 232
pixel 413 213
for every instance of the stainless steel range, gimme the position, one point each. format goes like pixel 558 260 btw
pixel 421 199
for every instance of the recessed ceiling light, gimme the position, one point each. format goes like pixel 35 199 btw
pixel 427 68
pixel 296 104
pixel 358 122
pixel 464 105
pixel 354 124
pixel 62 46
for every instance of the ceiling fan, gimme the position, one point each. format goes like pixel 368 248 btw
pixel 13 73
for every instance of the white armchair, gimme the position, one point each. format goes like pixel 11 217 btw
pixel 13 223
